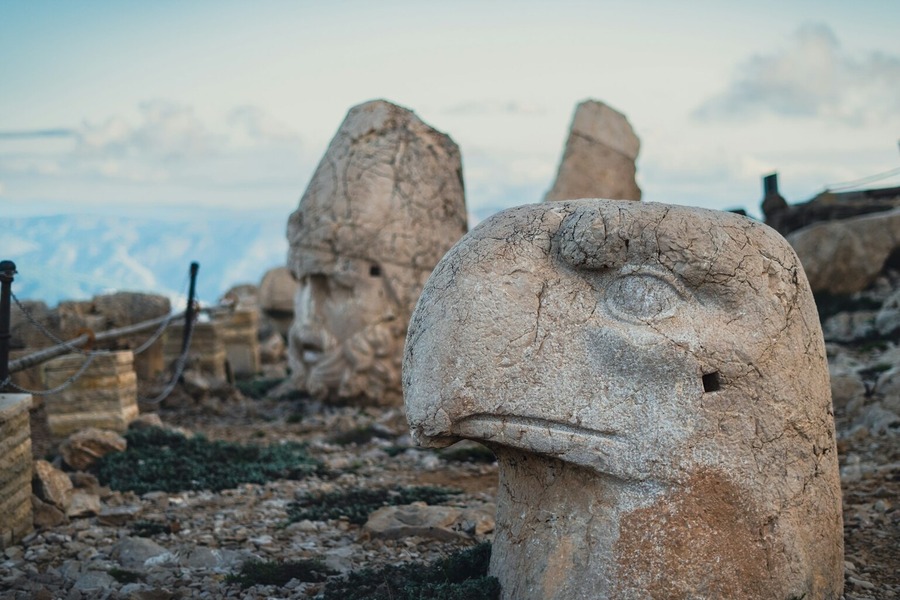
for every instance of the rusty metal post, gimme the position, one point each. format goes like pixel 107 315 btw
pixel 7 271
pixel 189 312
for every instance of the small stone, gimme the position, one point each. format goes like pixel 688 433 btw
pixel 119 515
pixel 84 504
pixel 134 552
pixel 94 581
pixel 45 515
pixel 394 522
pixel 861 583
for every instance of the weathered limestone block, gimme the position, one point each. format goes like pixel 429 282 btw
pixel 105 396
pixel 654 384
pixel 239 335
pixel 277 290
pixel 599 158
pixel 207 351
pixel 846 256
pixel 382 208
pixel 15 468
pixel 128 308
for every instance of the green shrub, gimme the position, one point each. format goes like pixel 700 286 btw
pixel 831 304
pixel 259 572
pixel 461 576
pixel 161 459
pixel 149 528
pixel 124 576
pixel 357 435
pixel 357 504
pixel 474 453
pixel 256 388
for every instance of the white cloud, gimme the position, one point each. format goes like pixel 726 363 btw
pixel 812 77
pixel 165 143
pixel 255 125
pixel 167 131
pixel 487 108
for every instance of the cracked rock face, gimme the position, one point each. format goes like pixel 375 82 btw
pixel 384 205
pixel 654 383
pixel 599 158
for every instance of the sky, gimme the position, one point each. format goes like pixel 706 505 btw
pixel 172 108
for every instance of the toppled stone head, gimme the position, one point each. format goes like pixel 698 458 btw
pixel 653 381
pixel 383 207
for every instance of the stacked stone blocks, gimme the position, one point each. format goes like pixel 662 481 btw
pixel 15 468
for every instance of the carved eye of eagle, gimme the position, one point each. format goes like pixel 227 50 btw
pixel 644 295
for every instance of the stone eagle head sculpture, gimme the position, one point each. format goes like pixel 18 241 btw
pixel 653 381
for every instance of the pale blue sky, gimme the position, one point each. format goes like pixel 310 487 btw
pixel 118 106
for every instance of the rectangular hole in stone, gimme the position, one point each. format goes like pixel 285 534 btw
pixel 711 382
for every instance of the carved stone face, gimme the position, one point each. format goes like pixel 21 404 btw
pixel 653 381
pixel 383 206
pixel 346 333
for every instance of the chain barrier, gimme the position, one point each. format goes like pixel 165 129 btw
pixel 72 379
pixel 156 335
pixel 180 364
pixel 49 334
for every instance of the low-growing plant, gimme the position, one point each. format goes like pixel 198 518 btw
pixel 357 504
pixel 831 304
pixel 165 460
pixel 461 576
pixel 269 572
pixel 357 435
pixel 474 453
pixel 124 576
pixel 256 388
pixel 149 528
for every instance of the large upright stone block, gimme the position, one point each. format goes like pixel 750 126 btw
pixel 239 335
pixel 654 384
pixel 105 396
pixel 15 468
pixel 207 350
pixel 383 206
pixel 599 158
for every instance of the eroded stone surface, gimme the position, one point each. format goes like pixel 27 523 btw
pixel 598 161
pixel 383 206
pixel 653 381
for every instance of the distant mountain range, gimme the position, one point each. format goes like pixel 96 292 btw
pixel 75 257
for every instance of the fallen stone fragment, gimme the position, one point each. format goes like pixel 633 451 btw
pixel 118 516
pixel 83 504
pixel 51 485
pixel 443 523
pixel 134 552
pixel 46 515
pixel 83 448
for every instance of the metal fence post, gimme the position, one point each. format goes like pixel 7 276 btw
pixel 189 313
pixel 7 271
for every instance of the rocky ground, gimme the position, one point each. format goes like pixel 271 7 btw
pixel 184 545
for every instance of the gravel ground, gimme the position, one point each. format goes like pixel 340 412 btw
pixel 202 537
